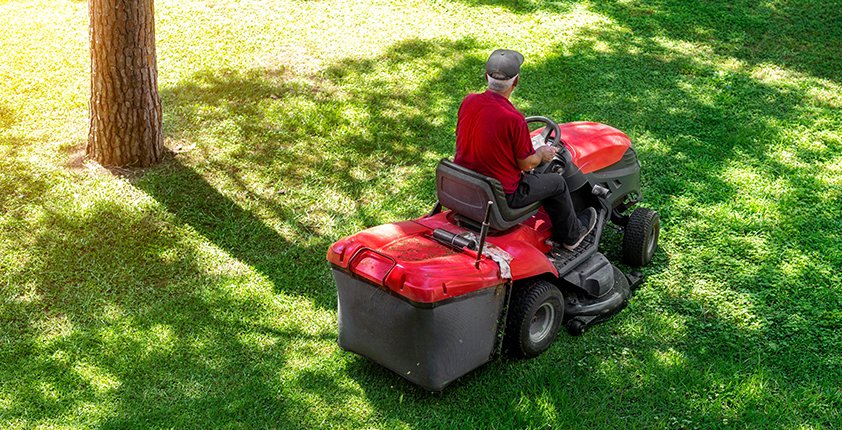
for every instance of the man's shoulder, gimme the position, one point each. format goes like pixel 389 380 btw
pixel 472 97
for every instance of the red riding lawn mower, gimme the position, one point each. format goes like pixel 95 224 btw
pixel 436 297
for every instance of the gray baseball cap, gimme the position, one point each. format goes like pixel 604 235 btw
pixel 503 64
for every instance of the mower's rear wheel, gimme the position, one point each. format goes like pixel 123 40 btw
pixel 535 314
pixel 641 237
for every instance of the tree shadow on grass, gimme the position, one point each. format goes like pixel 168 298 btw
pixel 119 319
pixel 248 239
pixel 525 6
pixel 237 188
pixel 203 298
pixel 7 118
pixel 800 35
pixel 302 160
pixel 288 142
pixel 21 182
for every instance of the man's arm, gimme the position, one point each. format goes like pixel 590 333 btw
pixel 542 155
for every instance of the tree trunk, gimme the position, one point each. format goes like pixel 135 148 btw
pixel 125 106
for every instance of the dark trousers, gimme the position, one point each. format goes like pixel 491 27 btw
pixel 551 190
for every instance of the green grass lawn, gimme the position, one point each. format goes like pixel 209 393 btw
pixel 196 294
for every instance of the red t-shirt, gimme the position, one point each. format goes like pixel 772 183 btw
pixel 491 135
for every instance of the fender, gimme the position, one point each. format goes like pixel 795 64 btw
pixel 528 261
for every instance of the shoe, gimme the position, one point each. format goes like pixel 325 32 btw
pixel 587 218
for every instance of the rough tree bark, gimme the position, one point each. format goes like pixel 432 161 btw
pixel 125 128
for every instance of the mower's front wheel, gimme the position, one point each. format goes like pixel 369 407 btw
pixel 641 237
pixel 535 314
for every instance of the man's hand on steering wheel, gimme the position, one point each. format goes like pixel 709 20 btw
pixel 553 153
pixel 547 153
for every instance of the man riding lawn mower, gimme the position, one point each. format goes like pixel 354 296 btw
pixel 436 297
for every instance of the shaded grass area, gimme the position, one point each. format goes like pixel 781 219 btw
pixel 195 294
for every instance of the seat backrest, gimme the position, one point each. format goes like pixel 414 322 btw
pixel 467 193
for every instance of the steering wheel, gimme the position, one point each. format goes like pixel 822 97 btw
pixel 552 136
pixel 551 133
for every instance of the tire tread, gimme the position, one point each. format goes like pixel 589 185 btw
pixel 524 299
pixel 635 237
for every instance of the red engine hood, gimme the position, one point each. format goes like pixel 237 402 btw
pixel 593 146
pixel 404 258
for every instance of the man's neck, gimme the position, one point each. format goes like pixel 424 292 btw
pixel 507 94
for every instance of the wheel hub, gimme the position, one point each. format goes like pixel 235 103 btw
pixel 542 323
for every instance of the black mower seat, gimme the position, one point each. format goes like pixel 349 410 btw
pixel 467 193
